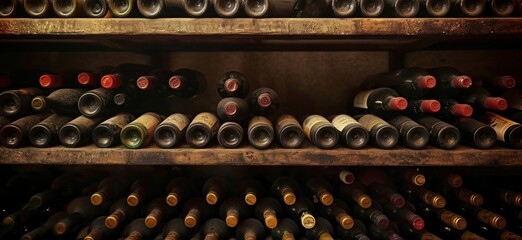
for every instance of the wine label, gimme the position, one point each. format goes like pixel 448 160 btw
pixel 119 120
pixel 310 121
pixel 149 120
pixel 208 119
pixel 514 98
pixel 285 120
pixel 259 120
pixel 342 120
pixel 499 123
pixel 179 120
pixel 30 91
pixel 361 100
pixel 369 121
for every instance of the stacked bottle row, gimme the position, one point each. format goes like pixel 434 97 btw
pixel 444 105
pixel 369 203
pixel 258 8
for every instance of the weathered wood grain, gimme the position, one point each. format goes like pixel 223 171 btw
pixel 248 156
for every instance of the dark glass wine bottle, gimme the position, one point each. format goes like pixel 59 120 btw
pixel 136 230
pixel 158 211
pixel 15 134
pixel 337 212
pixel 124 75
pixel 450 81
pixel 264 101
pixel 110 189
pixel 502 8
pixel 441 216
pixel 403 8
pixel 251 190
pixel 481 215
pixel 45 133
pixel 98 230
pixel 475 133
pixel 267 210
pixel 424 195
pixel 230 135
pixel 171 131
pixel 404 215
pixel 353 134
pixel 437 8
pixel 413 135
pixel 4 121
pixel 320 132
pixel 250 229
pixel 480 98
pixel 79 212
pixel 355 193
pixel 371 8
pixel 411 233
pixel 382 134
pixel 175 229
pixel 450 108
pixel 302 211
pixel 17 103
pixel 323 230
pixel 145 188
pixel 232 109
pixel 260 132
pixel 233 210
pixel 287 229
pixel 286 189
pixel 357 232
pixel 371 216
pixel 508 132
pixel 179 190
pixel 410 82
pixel 419 107
pixel 320 189
pixel 233 84
pixel 289 132
pixel 202 129
pixel 45 230
pixel 215 189
pixel 384 193
pixel 97 102
pixel 196 210
pixel 78 132
pixel 120 213
pixel 498 82
pixel 187 83
pixel 442 134
pixel 155 81
pixel 382 234
pixel 63 101
pixel 346 176
pixel 380 101
pixel 452 233
pixel 215 229
pixel 107 133
pixel 140 132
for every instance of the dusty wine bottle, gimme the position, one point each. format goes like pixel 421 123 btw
pixel 4 121
pixel 97 102
pixel 179 190
pixel 10 8
pixel 323 230
pixel 413 135
pixel 343 8
pixel 337 212
pixel 302 210
pixel 287 229
pixel 470 8
pixel 158 211
pixel 123 8
pixel 404 8
pixel 256 8
pixel 155 81
pixel 480 98
pixel 15 134
pixel 215 229
pixel 260 132
pixel 79 211
pixel 98 230
pixel 192 8
pixel 45 133
pixel 285 188
pixel 187 83
pixel 320 189
pixel 320 131
pixel 353 134
pixel 215 188
pixel 17 103
pixel 140 132
pixel 226 8
pixel 251 190
pixel 110 188
pixel 371 216
pixel 175 229
pixel 384 193
pixel 232 109
pixel 424 195
pixel 136 230
pixel 121 212
pixel 502 8
pixel 233 210
pixel 355 194
pixel 95 9
pixel 482 215
pixel 508 132
pixel 45 230
pixel 250 229
pixel 154 8
pixel 107 133
pixel 202 129
pixel 346 176
pixel 267 210
pixel 289 132
pixel 371 8
pixel 437 8
pixel 230 135
pixel 413 234
pixel 383 134
pixel 264 101
pixel 233 84
pixel 37 8
pixel 404 215
pixel 450 108
pixel 475 133
pixel 450 81
pixel 145 188
pixel 62 101
pixel 171 131
pixel 442 134
pixel 78 132
pixel 498 82
pixel 380 101
pixel 357 232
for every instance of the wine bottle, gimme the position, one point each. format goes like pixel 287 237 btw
pixel 136 230
pixel 289 132
pixel 44 230
pixel 187 83
pixel 192 9
pixel 95 8
pixel 15 134
pixel 450 81
pixel 383 134
pixel 287 229
pixel 92 78
pixel 337 212
pixel 445 179
pixel 453 233
pixel 267 210
pixel 413 135
pixel 404 215
pixel 285 188
pixel 357 232
pixel 215 229
pixel 470 8
pixel 410 175
pixel 97 102
pixel 384 193
pixel 63 101
pixel 260 132
pixel 302 210
pixel 497 193
pixel 121 212
pixel 382 234
pixel 410 82
pixel 371 8
pixel 353 134
pixel 78 132
pixel 230 135
pixel 233 84
pixel 140 132
pixel 380 101
pixel 346 176
pixel 226 8
pixel 464 195
pixel 214 189
pixel 110 188
pixel 202 129
pixel 64 79
pixel 371 216
pixel 10 9
pixel 179 189
pixel 322 230
pixel 442 134
pixel 354 193
pixel 320 189
pixel 264 101
pixel 98 230
pixel 196 210
pixel 171 131
pixel 158 212
pixel 502 8
pixel 17 103
pixel 67 9
pixel 175 229
pixel 480 98
pixel 251 190
pixel 124 75
pixel 79 211
pixel 508 132
pixel 320 132
pixel 414 234
pixel 250 229
pixel 344 8
pixel 107 133
pixel 503 82
pixel 233 210
pixel 4 121
pixel 232 109
pixel 147 187
pixel 45 133
pixel 155 81
pixel 154 8
pixel 451 108
pixel 422 194
pixel 419 107
pixel 256 8
pixel 404 9
pixel 447 217
pixel 437 8
pixel 482 215
pixel 475 133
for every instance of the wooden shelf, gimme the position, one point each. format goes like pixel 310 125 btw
pixel 248 156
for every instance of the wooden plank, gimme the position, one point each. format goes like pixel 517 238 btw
pixel 248 156
pixel 327 27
